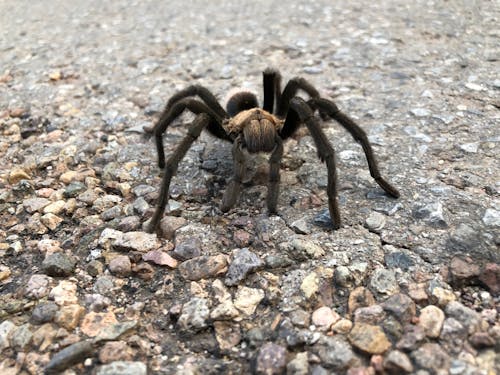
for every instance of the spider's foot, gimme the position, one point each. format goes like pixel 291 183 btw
pixel 388 188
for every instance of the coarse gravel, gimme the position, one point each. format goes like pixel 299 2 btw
pixel 408 285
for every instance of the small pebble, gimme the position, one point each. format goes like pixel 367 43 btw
pixel 375 222
pixel 120 265
pixel 271 359
pixel 58 265
pixel 431 320
pixel 244 262
pixel 369 338
pixel 194 315
pixel 324 317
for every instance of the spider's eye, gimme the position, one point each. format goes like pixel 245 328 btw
pixel 241 102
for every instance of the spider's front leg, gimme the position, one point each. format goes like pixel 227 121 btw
pixel 274 175
pixel 233 189
pixel 302 112
pixel 328 107
pixel 170 114
pixel 200 122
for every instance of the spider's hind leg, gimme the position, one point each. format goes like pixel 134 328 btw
pixel 272 89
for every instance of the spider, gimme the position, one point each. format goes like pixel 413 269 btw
pixel 256 129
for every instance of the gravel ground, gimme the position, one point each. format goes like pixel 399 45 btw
pixel 405 286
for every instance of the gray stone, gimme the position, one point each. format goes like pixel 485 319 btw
pixel 277 261
pixel 194 315
pixel 335 352
pixel 411 338
pixel 271 359
pixel 323 219
pixel 453 334
pixel 203 267
pixel 111 213
pixel 70 356
pixel 343 276
pixel 129 223
pixel 168 226
pixel 141 190
pixel 21 337
pixel 370 314
pixel 44 313
pixel 104 285
pixel 136 241
pixel 120 265
pixel 383 281
pixel 469 318
pixel 300 318
pixel 6 329
pixel 37 286
pixel 140 206
pixel 301 226
pixel 303 249
pixel 74 189
pixel 397 362
pixel 398 259
pixel 401 306
pixel 319 370
pixel 432 213
pixel 105 202
pixel 244 262
pixel 114 331
pixel 375 222
pixel 123 368
pixel 32 205
pixel 491 217
pixel 97 302
pixel 187 249
pixel 299 365
pixel 59 265
pixel 431 357
pixel 420 112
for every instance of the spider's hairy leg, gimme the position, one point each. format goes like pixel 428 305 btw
pixel 233 189
pixel 199 123
pixel 272 89
pixel 290 91
pixel 194 90
pixel 359 135
pixel 240 102
pixel 205 95
pixel 274 176
pixel 170 114
pixel 325 153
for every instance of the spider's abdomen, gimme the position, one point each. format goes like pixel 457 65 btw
pixel 259 136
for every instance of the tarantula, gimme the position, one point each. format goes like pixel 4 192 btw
pixel 256 129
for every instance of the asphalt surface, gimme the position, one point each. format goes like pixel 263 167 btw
pixel 78 82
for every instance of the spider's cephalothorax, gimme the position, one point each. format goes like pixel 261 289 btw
pixel 259 128
pixel 256 129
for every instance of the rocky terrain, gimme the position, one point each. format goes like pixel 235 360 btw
pixel 405 286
